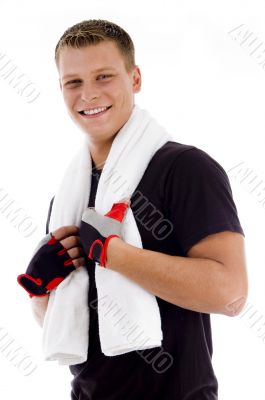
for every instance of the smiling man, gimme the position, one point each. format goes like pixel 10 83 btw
pixel 198 268
pixel 98 89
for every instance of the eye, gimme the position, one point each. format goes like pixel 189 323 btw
pixel 74 82
pixel 103 76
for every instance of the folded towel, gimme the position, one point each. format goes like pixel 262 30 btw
pixel 128 315
pixel 67 304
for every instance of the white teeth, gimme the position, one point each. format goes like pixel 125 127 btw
pixel 95 111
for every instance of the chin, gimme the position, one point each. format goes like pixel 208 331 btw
pixel 98 136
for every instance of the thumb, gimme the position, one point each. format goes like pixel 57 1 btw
pixel 30 284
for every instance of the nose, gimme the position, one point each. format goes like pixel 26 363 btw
pixel 89 92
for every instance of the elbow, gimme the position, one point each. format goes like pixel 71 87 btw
pixel 233 307
pixel 233 301
pixel 234 295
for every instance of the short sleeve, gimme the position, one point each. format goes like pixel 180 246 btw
pixel 200 198
pixel 49 215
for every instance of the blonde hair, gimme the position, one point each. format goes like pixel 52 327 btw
pixel 94 31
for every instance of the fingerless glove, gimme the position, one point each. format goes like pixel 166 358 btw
pixel 49 266
pixel 96 230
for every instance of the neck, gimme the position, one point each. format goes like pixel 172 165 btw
pixel 99 153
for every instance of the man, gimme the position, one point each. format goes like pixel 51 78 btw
pixel 197 269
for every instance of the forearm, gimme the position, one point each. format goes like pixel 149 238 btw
pixel 193 283
pixel 39 307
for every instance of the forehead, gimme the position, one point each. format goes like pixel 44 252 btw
pixel 90 58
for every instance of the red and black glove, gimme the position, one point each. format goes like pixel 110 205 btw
pixel 48 267
pixel 96 230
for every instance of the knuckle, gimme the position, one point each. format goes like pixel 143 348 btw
pixel 74 252
pixel 70 253
pixel 65 231
pixel 76 240
pixel 64 243
pixel 57 233
pixel 79 262
pixel 73 229
pixel 76 264
pixel 69 242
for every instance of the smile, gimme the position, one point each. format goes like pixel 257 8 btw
pixel 94 112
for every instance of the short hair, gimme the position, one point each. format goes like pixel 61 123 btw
pixel 94 31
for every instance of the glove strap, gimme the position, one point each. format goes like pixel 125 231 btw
pixel 103 257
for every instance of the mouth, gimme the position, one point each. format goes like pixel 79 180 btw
pixel 94 112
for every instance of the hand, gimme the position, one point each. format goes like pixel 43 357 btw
pixel 56 256
pixel 96 230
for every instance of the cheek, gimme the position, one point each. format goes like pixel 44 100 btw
pixel 66 98
pixel 123 93
pixel 119 88
pixel 69 98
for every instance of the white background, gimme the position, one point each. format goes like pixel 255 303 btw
pixel 200 84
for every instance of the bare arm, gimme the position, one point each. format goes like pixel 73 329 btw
pixel 212 279
pixel 39 307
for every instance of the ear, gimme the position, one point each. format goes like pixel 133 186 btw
pixel 137 79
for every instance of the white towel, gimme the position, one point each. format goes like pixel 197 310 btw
pixel 128 315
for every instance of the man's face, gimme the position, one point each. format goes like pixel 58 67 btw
pixel 95 78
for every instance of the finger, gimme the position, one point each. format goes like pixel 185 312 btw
pixel 65 231
pixel 79 262
pixel 70 242
pixel 76 252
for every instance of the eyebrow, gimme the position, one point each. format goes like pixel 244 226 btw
pixel 95 71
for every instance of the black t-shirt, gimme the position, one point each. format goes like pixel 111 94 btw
pixel 183 196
